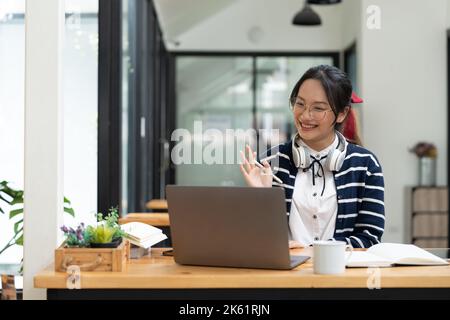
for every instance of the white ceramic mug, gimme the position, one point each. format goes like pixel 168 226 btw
pixel 330 257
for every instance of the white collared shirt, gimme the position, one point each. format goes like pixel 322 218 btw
pixel 313 216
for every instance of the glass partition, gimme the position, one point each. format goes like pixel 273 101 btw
pixel 224 97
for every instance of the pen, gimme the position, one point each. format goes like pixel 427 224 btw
pixel 259 165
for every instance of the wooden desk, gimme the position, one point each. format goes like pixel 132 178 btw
pixel 154 219
pixel 157 204
pixel 159 277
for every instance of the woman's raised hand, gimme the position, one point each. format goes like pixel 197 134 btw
pixel 253 175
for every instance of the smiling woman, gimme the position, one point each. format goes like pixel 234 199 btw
pixel 327 90
pixel 336 186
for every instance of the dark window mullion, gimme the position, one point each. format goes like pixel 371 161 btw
pixel 149 107
pixel 109 104
pixel 255 101
pixel 156 81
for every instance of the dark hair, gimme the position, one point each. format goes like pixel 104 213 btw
pixel 336 84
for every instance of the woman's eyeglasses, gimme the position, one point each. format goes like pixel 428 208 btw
pixel 316 112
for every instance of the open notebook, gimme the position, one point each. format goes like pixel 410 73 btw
pixel 390 254
pixel 142 234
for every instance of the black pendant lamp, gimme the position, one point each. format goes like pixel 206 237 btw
pixel 307 16
pixel 324 1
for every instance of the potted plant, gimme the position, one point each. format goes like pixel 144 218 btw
pixel 427 154
pixel 106 234
pixel 425 149
pixel 95 247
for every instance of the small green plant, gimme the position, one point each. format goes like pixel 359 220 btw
pixel 100 234
pixel 107 230
pixel 111 220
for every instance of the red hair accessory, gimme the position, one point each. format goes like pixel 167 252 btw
pixel 356 99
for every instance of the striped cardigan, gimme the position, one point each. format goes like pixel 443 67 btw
pixel 359 190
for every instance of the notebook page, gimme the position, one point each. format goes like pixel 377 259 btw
pixel 366 259
pixel 404 254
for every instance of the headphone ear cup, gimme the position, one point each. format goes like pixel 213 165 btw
pixel 341 152
pixel 300 156
pixel 295 155
pixel 340 160
pixel 305 157
pixel 336 157
pixel 333 160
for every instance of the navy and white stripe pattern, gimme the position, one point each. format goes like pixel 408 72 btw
pixel 359 190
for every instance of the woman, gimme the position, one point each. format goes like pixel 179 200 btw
pixel 334 189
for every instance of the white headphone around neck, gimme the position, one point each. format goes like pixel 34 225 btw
pixel 335 158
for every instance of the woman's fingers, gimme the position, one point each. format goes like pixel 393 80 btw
pixel 251 156
pixel 251 180
pixel 248 158
pixel 243 166
pixel 267 169
pixel 247 166
pixel 244 172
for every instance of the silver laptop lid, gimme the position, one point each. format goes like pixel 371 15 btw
pixel 229 226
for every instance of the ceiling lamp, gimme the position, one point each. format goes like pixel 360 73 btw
pixel 323 1
pixel 307 16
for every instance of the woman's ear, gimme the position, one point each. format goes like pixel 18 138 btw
pixel 342 115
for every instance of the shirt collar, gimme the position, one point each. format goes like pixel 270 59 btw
pixel 320 154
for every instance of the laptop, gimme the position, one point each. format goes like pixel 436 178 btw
pixel 230 227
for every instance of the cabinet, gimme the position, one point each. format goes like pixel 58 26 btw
pixel 429 217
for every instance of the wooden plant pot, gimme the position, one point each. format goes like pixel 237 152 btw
pixel 93 259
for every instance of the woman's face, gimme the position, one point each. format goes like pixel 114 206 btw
pixel 314 118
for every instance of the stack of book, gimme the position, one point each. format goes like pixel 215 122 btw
pixel 142 236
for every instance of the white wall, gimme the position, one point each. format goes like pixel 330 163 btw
pixel 351 22
pixel 43 183
pixel 403 82
pixel 230 28
pixel 448 14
